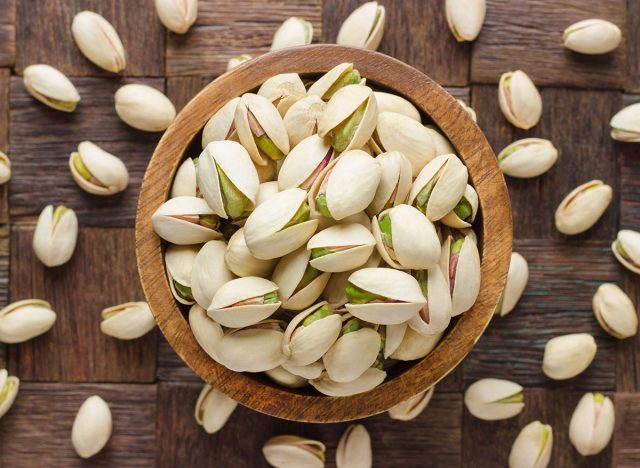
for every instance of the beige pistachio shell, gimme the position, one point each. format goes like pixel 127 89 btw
pixel 364 27
pixel 108 174
pixel 127 321
pixel 308 372
pixel 529 157
pixel 9 387
pixel 352 354
pixel 415 346
pixel 221 124
pixel 388 102
pixel 326 81
pixel 465 18
pixel 23 320
pixel 625 125
pixel 92 427
pixel 567 356
pixel 179 260
pixel 207 332
pixel 494 399
pixel 519 99
pixel 287 275
pixel 283 377
pixel 293 32
pixel 305 163
pixel 592 424
pixel 241 262
pixel 213 409
pixel 144 108
pixel 5 168
pixel 435 315
pixel 98 41
pixel 614 311
pixel 413 407
pixel 517 279
pixel 301 120
pixel 532 448
pixel 209 272
pixel 395 182
pixel 626 248
pixel 370 379
pixel 592 37
pixel 353 244
pixel 335 293
pixel 173 221
pixel 354 448
pixel 266 190
pixel 464 282
pixel 257 348
pixel 55 236
pixel 185 183
pixel 51 87
pixel 393 336
pixel 440 142
pixel 453 220
pixel 227 306
pixel 288 451
pixel 283 91
pixel 583 207
pixel 177 15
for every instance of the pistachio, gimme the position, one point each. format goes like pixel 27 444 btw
pixel 207 332
pixel 440 142
pixel 364 27
pixel 338 77
pixel 342 247
pixel 517 279
pixel 98 41
pixel 310 371
pixel 49 86
pixel 413 407
pixel 583 207
pixel 388 102
pixel 221 125
pixel 568 355
pixel 23 320
pixel 237 61
pixel 392 338
pixel 520 100
pixel 287 451
pixel 92 427
pixel 213 409
pixel 461 259
pixel 494 399
pixel 283 377
pixel 532 448
pixel 301 120
pixel 300 283
pixel 293 32
pixel 335 291
pixel 370 379
pixel 127 321
pixel 241 261
pixel 185 183
pixel 179 260
pixel 626 248
pixel 256 348
pixel 415 346
pixel 144 108
pixel 354 448
pixel 395 182
pixel 592 424
pixel 266 190
pixel 615 312
pixel 625 125
pixel 96 171
pixel 435 315
pixel 305 163
pixel 283 91
pixel 5 168
pixel 55 236
pixel 243 302
pixel 468 109
pixel 465 211
pixel 530 157
pixel 465 18
pixel 209 272
pixel 9 386
pixel 592 37
pixel 186 220
pixel 177 15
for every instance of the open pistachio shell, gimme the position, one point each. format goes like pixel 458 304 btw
pixel 209 272
pixel 335 291
pixel 341 247
pixel 354 448
pixel 293 32
pixel 305 163
pixel 207 332
pixel 283 377
pixel 462 262
pixel 532 448
pixel 467 207
pixel 592 37
pixel 388 102
pixel 283 91
pixel 614 311
pixel 98 41
pixel 240 260
pixel 625 124
pixel 435 315
pixel 370 379
pixel 494 399
pixel 339 76
pixel 23 320
pixel 413 407
pixel 592 424
pixel 517 279
pixel 55 236
pixel 185 183
pixel 519 99
pixel 266 190
pixel 185 220
pixel 415 346
pixel 51 87
pixel 256 348
pixel 221 125
pixel 97 171
pixel 9 386
pixel 352 354
pixel 308 372
pixel 364 27
pixel 395 182
pixel 394 334
pixel 301 120
pixel 626 248
pixel 440 142
pixel 465 18
pixel 529 157
pixel 5 168
pixel 583 207
pixel 244 301
pixel 179 260
pixel 213 409
pixel 293 451
pixel 127 321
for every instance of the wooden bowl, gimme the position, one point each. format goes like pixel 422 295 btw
pixel 495 233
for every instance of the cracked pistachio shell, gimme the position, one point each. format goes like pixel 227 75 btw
pixel 532 448
pixel 144 108
pixel 92 427
pixel 354 448
pixel 413 407
pixel 102 174
pixel 209 272
pixel 227 306
pixel 288 451
pixel 435 315
pixel 388 102
pixel 265 231
pixel 177 15
pixel 127 321
pixel 592 424
pixel 364 27
pixel 468 109
pixel 335 292
pixel 453 220
pixel 626 248
pixel 567 356
pixel 349 184
pixel 325 83
pixel 5 168
pixel 583 207
pixel 395 182
pixel 51 87
pixel 517 279
pixel 592 37
pixel 266 190
pixel 241 262
pixel 308 372
pixel 283 377
pixel 415 346
pixel 529 157
pixel 352 354
pixel 98 41
pixel 23 320
pixel 413 238
pixel 185 183
pixel 293 32
pixel 494 399
pixel 235 163
pixel 448 176
pixel 178 221
pixel 464 274
pixel 207 332
pixel 213 409
pixel 256 348
pixel 369 380
pixel 283 91
pixel 221 125
pixel 9 387
pixel 304 345
pixel 388 283
pixel 465 18
pixel 289 273
pixel 54 239
pixel 237 61
pixel 179 260
pixel 614 311
pixel 351 246
pixel 305 163
pixel 625 125
pixel 301 120
pixel 440 142
pixel 519 99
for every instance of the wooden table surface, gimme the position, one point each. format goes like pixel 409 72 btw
pixel 151 392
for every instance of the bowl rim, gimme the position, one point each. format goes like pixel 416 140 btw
pixel 471 145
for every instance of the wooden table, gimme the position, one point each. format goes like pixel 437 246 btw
pixel 151 393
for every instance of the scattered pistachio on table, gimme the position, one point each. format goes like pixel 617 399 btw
pixel 92 427
pixel 98 41
pixel 177 15
pixel 517 279
pixel 494 399
pixel 626 248
pixel 288 451
pixel 144 108
pixel 533 446
pixel 364 27
pixel 567 356
pixel 465 18
pixel 9 386
pixel 354 448
pixel 237 61
pixel 213 409
pixel 519 99
pixel 615 312
pixel 293 32
pixel 55 236
pixel 127 321
pixel 413 407
pixel 625 124
pixel 23 320
pixel 51 87
pixel 592 37
pixel 5 168
pixel 97 171
pixel 592 424
pixel 529 157
pixel 583 207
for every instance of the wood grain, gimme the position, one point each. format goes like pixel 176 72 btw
pixel 626 442
pixel 7 33
pixel 181 89
pixel 171 367
pixel 633 46
pixel 628 157
pixel 4 282
pixel 5 77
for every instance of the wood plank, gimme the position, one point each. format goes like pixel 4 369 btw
pixel 628 157
pixel 181 89
pixel 5 77
pixel 527 35
pixel 37 430
pixel 7 33
pixel 626 441
pixel 4 281
pixel 40 158
pixel 633 46
pixel 171 367
pixel 43 23
pixel 100 274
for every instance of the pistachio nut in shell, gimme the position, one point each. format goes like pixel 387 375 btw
pixel 97 171
pixel 415 346
pixel 55 236
pixel 519 99
pixel 440 142
pixel 583 207
pixel 465 18
pixel 529 157
pixel 461 260
pixel 256 348
pixel 177 15
pixel 288 451
pixel 51 87
pixel 494 399
pixel 299 282
pixel 9 386
pixel 127 321
pixel 517 279
pixel 364 27
pixel 92 427
pixel 221 125
pixel 384 296
pixel 301 120
pixel 354 448
pixel 388 102
pixel 592 37
pixel 237 61
pixel 465 211
pixel 186 220
pixel 243 302
pixel 369 380
pixel 179 260
pixel 266 190
pixel 337 78
pixel 435 315
pixel 406 239
pixel 185 183
pixel 98 41
pixel 625 124
pixel 280 225
pixel 626 248
pixel 283 377
pixel 305 163
pixel 567 356
pixel 310 371
pixel 240 261
pixel 5 168
pixel 533 446
pixel 395 182
pixel 342 247
pixel 413 407
pixel 144 108
pixel 293 32
pixel 283 91
pixel 207 332
pixel 209 272
pixel 592 424
pixel 614 311
pixel 23 320
pixel 213 409
pixel 393 336
pixel 335 290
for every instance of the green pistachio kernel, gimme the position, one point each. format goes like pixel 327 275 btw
pixel 353 324
pixel 598 398
pixel 385 229
pixel 463 209
pixel 301 216
pixel 321 204
pixel 344 132
pixel 423 197
pixel 508 152
pixel 83 170
pixel 271 298
pixel 349 78
pixel 183 291
pixel 320 252
pixel 378 365
pixel 321 313
pixel 309 275
pixel 58 213
pixel 517 398
pixel 422 276
pixel 209 221
pixel 235 202
pixel 357 295
pixel 546 434
pixel 621 250
pixel 456 247
pixel 8 387
pixel 268 147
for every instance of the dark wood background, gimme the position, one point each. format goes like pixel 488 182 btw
pixel 151 393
